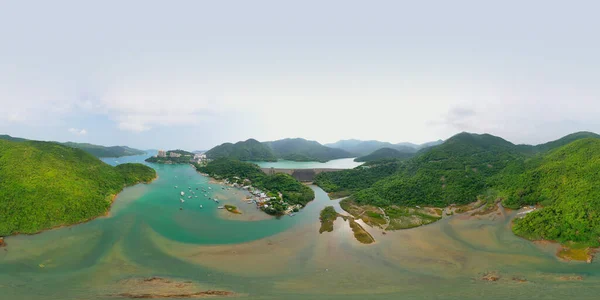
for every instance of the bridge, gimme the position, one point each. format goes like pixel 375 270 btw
pixel 303 175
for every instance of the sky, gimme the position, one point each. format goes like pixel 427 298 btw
pixel 194 74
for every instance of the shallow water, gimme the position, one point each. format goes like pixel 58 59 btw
pixel 147 235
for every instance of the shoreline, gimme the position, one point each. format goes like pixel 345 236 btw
pixel 105 214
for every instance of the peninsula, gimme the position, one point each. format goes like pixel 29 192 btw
pixel 95 150
pixel 288 149
pixel 175 157
pixel 276 194
pixel 75 186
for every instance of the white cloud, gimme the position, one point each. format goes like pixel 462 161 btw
pixel 77 131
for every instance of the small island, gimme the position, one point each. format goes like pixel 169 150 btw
pixel 176 157
pixel 329 215
pixel 232 209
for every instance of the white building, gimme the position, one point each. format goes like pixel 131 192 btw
pixel 162 153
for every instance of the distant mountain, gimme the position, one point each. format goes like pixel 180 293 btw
pixel 249 150
pixel 430 144
pixel 362 148
pixel 46 184
pixel 558 143
pixel 303 150
pixel 10 138
pixel 384 153
pixel 288 149
pixel 96 150
pixel 102 151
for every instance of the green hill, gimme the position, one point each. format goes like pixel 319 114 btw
pixel 288 149
pixel 565 181
pixel 249 150
pixel 558 143
pixel 184 157
pixel 362 148
pixel 303 150
pixel 454 172
pixel 384 153
pixel 46 184
pixel 345 182
pixel 96 150
pixel 561 175
pixel 11 138
pixel 103 151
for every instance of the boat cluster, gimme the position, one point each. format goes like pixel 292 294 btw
pixel 192 193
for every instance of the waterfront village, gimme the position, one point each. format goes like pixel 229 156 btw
pixel 198 158
pixel 268 202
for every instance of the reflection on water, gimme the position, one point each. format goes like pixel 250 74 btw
pixel 147 235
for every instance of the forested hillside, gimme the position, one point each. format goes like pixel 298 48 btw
pixel 304 150
pixel 96 150
pixel 385 153
pixel 454 172
pixel 288 149
pixel 46 184
pixel 562 176
pixel 565 182
pixel 249 150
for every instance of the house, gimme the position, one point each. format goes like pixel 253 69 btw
pixel 162 153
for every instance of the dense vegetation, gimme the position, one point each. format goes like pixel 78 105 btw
pixel 560 175
pixel 454 172
pixel 46 184
pixel 327 217
pixel 249 150
pixel 356 179
pixel 384 153
pixel 96 150
pixel 288 149
pixel 557 143
pixel 102 151
pixel 185 158
pixel 292 190
pixel 566 182
pixel 303 150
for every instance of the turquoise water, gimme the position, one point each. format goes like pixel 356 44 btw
pixel 344 163
pixel 148 235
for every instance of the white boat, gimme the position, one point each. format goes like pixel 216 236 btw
pixel 209 188
pixel 216 200
pixel 221 207
pixel 182 193
pixel 200 205
pixel 181 200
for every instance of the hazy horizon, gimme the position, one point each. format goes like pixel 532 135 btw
pixel 198 74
